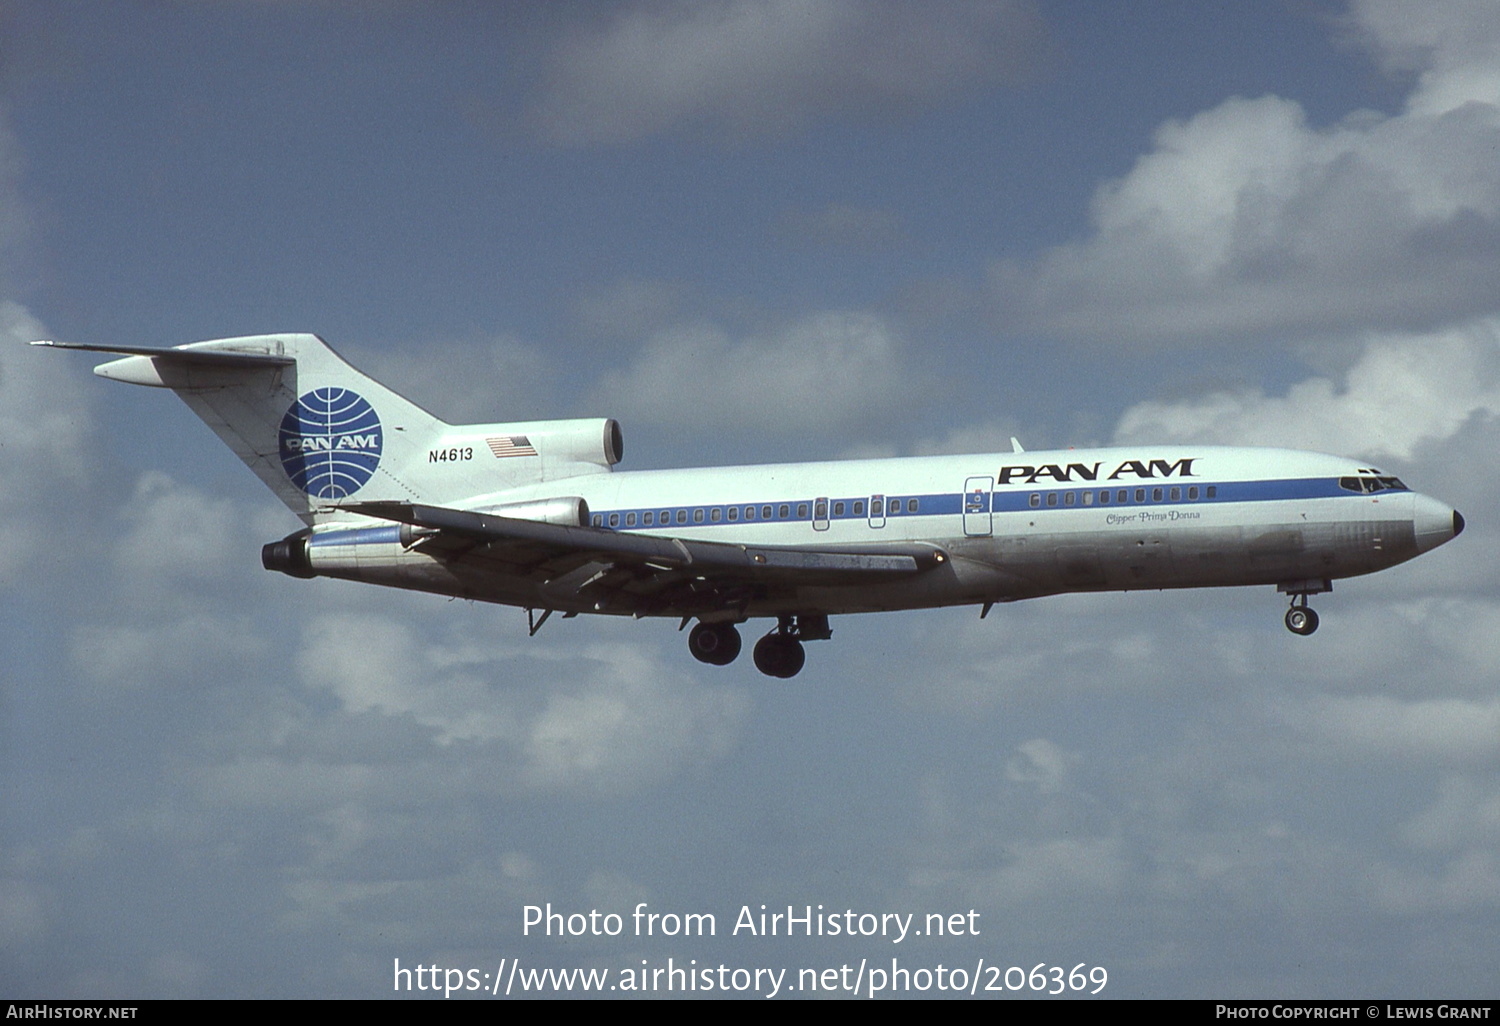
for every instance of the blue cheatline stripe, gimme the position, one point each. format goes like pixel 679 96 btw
pixel 1009 501
pixel 935 505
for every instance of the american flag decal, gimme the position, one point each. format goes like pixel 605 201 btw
pixel 511 445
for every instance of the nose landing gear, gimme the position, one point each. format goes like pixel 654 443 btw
pixel 1300 619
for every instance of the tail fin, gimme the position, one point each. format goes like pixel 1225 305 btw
pixel 318 432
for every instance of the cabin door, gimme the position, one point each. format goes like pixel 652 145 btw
pixel 976 500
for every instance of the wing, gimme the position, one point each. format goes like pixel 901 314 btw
pixel 628 572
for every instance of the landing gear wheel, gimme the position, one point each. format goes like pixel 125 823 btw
pixel 779 655
pixel 714 643
pixel 1301 620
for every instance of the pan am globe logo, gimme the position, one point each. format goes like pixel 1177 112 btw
pixel 330 442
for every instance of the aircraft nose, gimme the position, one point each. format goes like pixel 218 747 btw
pixel 1435 522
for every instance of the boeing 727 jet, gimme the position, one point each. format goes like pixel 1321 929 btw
pixel 534 515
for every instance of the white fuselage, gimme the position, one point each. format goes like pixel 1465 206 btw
pixel 1011 526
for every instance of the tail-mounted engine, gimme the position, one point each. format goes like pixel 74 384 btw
pixel 334 548
pixel 289 555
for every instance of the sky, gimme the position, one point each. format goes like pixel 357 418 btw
pixel 753 231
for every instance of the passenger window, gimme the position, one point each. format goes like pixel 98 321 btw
pixel 1052 498
pixel 614 520
pixel 666 517
pixel 859 507
pixel 734 513
pixel 784 511
pixel 1140 495
pixel 749 512
pixel 1192 493
pixel 1213 491
pixel 629 519
pixel 911 505
pixel 1176 494
pixel 598 519
pixel 1088 498
pixel 838 509
pixel 697 516
pixel 801 511
pixel 1068 499
pixel 1036 499
pixel 1104 497
pixel 765 512
pixel 1122 496
pixel 682 516
pixel 648 518
pixel 716 514
pixel 877 507
pixel 1156 495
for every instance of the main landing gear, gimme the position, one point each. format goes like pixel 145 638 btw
pixel 778 654
pixel 1300 619
pixel 717 644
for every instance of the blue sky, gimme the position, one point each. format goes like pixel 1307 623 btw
pixel 754 232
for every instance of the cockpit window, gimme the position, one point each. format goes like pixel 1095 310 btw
pixel 1372 483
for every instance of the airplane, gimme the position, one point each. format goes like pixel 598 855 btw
pixel 534 514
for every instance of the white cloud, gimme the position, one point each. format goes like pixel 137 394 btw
pixel 169 606
pixel 1454 45
pixel 1041 763
pixel 1245 218
pixel 1436 730
pixel 152 652
pixel 372 663
pixel 46 454
pixel 633 720
pixel 829 369
pixel 1404 391
pixel 767 65
pixel 603 718
pixel 176 532
pixel 1463 885
pixel 1465 813
pixel 1057 872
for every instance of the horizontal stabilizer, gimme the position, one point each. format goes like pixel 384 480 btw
pixel 181 356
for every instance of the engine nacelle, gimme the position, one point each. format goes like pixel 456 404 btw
pixel 289 555
pixel 560 443
pixel 294 554
pixel 570 511
pixel 598 441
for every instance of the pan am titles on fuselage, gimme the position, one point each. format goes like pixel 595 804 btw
pixel 533 514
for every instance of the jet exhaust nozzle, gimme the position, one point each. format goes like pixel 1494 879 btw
pixel 289 556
